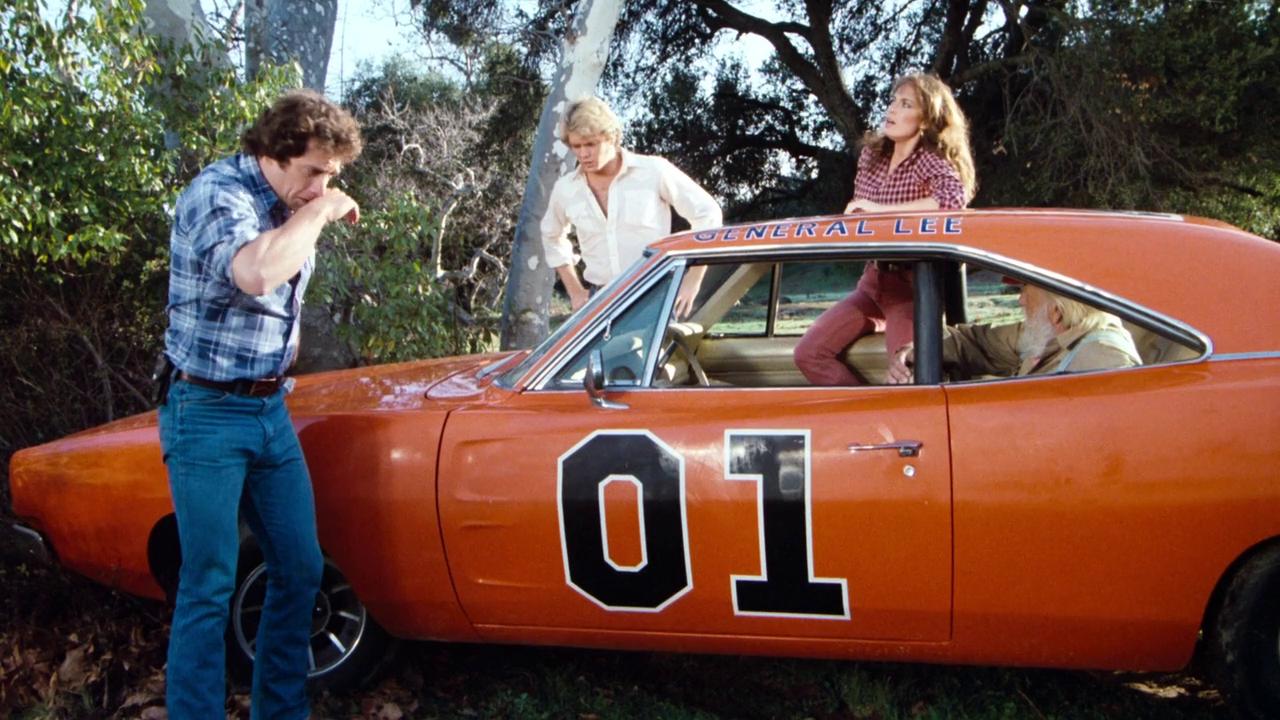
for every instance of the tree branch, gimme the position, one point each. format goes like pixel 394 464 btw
pixel 981 70
pixel 822 78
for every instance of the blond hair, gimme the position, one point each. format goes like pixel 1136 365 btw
pixel 1074 314
pixel 943 127
pixel 1077 315
pixel 590 117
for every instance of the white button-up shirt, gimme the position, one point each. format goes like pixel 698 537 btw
pixel 640 201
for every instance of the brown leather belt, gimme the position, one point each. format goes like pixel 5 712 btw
pixel 252 388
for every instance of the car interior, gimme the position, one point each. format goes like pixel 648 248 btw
pixel 748 317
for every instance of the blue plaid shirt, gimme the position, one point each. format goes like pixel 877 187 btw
pixel 216 330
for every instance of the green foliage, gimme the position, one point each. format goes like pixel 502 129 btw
pixel 86 183
pixel 443 164
pixel 373 276
pixel 81 165
pixel 1153 106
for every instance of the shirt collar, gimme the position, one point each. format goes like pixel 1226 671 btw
pixel 251 170
pixel 627 162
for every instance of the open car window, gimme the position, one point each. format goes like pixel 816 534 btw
pixel 748 318
pixel 1013 329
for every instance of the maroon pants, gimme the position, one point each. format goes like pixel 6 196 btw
pixel 882 302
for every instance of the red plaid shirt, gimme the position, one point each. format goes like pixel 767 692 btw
pixel 923 174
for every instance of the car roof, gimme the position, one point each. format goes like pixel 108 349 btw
pixel 1202 272
pixel 906 226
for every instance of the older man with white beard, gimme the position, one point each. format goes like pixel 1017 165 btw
pixel 1059 335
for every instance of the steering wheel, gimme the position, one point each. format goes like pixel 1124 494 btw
pixel 695 367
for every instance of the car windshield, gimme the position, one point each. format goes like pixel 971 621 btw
pixel 512 376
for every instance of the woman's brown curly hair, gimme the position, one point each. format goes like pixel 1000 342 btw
pixel 284 130
pixel 943 127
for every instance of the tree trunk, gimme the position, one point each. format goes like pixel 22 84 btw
pixel 525 312
pixel 178 21
pixel 282 31
pixel 182 23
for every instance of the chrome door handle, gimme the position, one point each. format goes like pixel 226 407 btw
pixel 905 448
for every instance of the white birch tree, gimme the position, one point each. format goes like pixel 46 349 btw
pixel 585 51
pixel 179 21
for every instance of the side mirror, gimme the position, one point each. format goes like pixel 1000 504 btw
pixel 593 381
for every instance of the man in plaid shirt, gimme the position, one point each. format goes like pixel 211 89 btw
pixel 243 246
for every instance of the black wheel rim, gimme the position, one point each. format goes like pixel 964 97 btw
pixel 338 618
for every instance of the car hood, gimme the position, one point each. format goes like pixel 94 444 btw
pixel 403 386
pixel 400 386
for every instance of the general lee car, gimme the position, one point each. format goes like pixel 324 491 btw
pixel 645 481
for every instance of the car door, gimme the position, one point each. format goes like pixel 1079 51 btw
pixel 1095 511
pixel 725 512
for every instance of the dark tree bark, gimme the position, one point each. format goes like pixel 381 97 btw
pixel 820 74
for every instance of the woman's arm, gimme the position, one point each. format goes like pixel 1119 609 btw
pixel 861 205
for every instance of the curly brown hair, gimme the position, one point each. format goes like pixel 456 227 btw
pixel 284 130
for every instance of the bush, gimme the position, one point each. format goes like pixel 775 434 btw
pixel 376 279
pixel 86 186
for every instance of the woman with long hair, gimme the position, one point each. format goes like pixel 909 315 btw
pixel 918 160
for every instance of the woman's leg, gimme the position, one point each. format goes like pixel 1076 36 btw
pixel 818 352
pixel 897 299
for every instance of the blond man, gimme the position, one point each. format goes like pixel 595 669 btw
pixel 618 202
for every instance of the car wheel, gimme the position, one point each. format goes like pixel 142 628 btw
pixel 1244 650
pixel 347 645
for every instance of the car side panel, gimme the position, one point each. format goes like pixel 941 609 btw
pixel 1095 513
pixel 879 523
pixel 375 482
pixel 96 497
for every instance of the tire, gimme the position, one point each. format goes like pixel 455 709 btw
pixel 1244 638
pixel 347 646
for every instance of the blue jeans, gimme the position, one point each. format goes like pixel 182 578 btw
pixel 231 455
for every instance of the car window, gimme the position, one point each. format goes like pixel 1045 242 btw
pixel 748 329
pixel 625 340
pixel 749 318
pixel 1018 329
pixel 510 377
pixel 807 289
pixel 990 298
pixel 750 314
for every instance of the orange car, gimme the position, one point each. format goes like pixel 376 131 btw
pixel 645 481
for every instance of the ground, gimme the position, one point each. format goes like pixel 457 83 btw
pixel 72 649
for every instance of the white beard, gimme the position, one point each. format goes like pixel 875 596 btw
pixel 1036 333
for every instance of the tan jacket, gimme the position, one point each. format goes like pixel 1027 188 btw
pixel 974 350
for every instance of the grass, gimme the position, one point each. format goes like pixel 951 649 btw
pixel 442 681
pixel 76 651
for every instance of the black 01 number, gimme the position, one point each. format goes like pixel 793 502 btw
pixel 777 460
pixel 640 458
